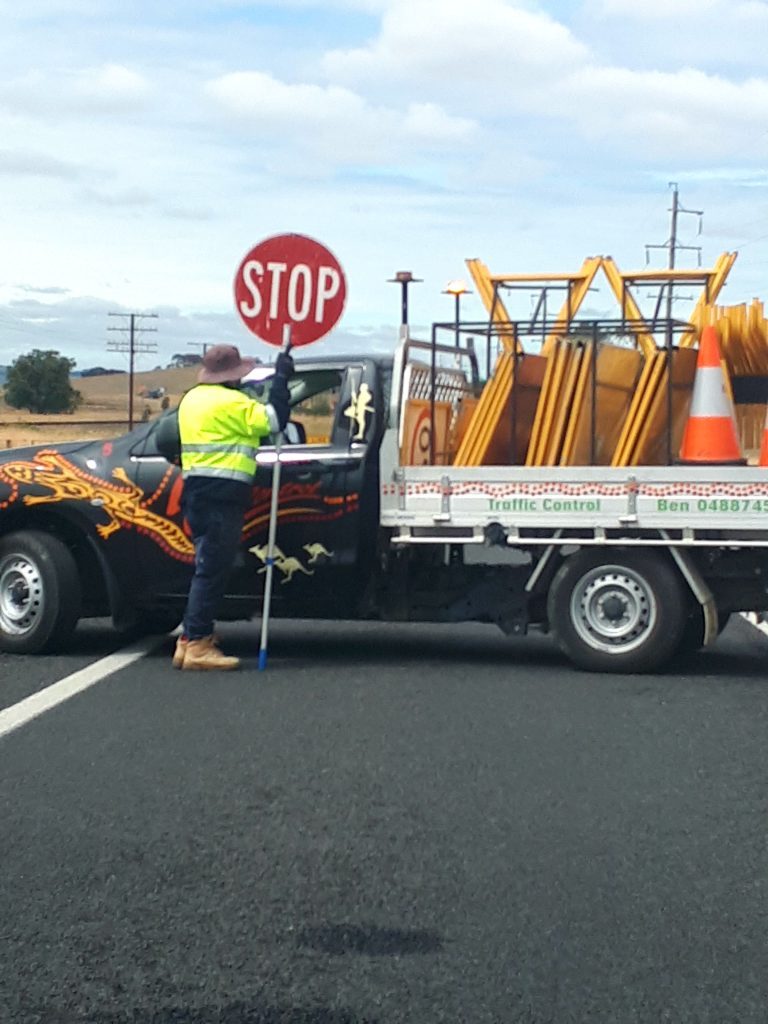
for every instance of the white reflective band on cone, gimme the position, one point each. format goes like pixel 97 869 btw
pixel 709 395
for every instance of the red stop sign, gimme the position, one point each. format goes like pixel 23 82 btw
pixel 290 280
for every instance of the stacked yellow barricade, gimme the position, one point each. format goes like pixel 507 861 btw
pixel 585 401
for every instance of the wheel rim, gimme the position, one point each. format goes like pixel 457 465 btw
pixel 613 609
pixel 21 595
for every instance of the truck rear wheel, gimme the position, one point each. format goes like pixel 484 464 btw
pixel 619 611
pixel 40 597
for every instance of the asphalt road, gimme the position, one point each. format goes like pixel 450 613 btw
pixel 392 824
pixel 22 676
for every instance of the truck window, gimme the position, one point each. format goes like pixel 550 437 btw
pixel 314 398
pixel 314 416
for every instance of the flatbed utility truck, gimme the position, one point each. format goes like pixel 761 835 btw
pixel 626 565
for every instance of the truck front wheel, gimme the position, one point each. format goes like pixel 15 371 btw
pixel 40 596
pixel 617 612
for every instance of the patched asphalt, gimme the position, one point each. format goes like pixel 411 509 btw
pixel 393 823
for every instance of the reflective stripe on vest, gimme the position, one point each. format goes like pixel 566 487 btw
pixel 232 449
pixel 221 474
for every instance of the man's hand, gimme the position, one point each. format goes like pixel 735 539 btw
pixel 284 366
pixel 280 399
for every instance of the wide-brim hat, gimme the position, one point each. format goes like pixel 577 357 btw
pixel 223 363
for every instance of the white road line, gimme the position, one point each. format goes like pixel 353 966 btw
pixel 38 703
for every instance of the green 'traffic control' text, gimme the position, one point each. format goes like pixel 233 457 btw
pixel 546 505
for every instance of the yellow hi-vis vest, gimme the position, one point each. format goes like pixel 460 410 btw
pixel 220 429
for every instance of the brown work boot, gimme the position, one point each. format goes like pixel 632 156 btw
pixel 180 651
pixel 204 656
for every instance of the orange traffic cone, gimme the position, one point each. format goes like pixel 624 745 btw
pixel 710 436
pixel 763 460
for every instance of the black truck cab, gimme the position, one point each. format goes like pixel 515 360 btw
pixel 96 529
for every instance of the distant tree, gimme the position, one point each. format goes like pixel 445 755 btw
pixel 39 382
pixel 182 359
pixel 98 371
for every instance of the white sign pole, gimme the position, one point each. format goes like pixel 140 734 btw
pixel 273 509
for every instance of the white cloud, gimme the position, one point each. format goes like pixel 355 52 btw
pixel 429 121
pixel 261 97
pixel 41 289
pixel 666 9
pixel 367 6
pixel 674 10
pixel 128 197
pixel 720 36
pixel 457 43
pixel 23 163
pixel 111 85
pixel 687 113
pixel 36 10
pixel 738 177
pixel 107 89
pixel 335 123
pixel 507 61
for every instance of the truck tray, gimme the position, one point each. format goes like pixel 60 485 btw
pixel 683 502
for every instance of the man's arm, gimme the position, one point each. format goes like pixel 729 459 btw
pixel 256 418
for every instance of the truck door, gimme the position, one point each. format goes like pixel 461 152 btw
pixel 164 555
pixel 322 469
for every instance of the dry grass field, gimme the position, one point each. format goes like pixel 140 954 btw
pixel 104 412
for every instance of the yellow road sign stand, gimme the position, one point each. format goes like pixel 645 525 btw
pixel 565 406
pixel 495 399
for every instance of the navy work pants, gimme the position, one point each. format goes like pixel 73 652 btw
pixel 216 530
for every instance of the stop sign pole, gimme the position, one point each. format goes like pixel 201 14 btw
pixel 272 535
pixel 290 291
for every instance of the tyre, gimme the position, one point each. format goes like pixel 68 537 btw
pixel 40 598
pixel 619 611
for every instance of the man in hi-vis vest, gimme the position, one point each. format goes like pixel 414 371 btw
pixel 220 429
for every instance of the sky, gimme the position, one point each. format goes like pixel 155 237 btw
pixel 145 147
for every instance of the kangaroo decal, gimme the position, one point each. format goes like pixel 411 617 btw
pixel 316 551
pixel 287 564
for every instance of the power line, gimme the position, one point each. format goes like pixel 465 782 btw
pixel 133 346
pixel 751 241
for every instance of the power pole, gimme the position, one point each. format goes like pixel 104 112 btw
pixel 672 244
pixel 204 345
pixel 133 346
